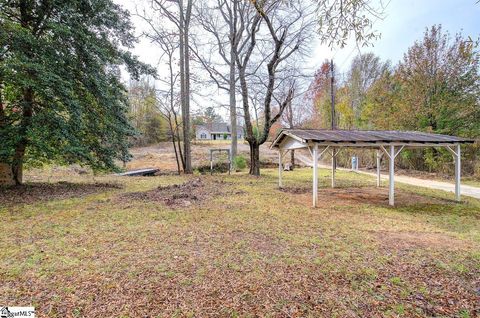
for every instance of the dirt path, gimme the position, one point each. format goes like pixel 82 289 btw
pixel 432 184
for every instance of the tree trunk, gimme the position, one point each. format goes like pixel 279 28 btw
pixel 186 124
pixel 254 159
pixel 17 162
pixel 174 129
pixel 292 159
pixel 182 158
pixel 184 22
pixel 232 84
pixel 6 175
pixel 177 132
pixel 17 165
pixel 172 132
pixel 27 109
pixel 182 77
pixel 251 138
pixel 233 106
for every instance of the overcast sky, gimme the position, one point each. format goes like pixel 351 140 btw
pixel 405 21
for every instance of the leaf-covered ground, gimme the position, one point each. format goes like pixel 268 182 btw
pixel 229 246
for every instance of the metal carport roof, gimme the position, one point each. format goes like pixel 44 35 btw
pixel 373 137
pixel 388 142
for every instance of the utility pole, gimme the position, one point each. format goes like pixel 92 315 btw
pixel 332 94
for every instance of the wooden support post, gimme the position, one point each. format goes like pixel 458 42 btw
pixel 280 168
pixel 458 172
pixel 379 161
pixel 457 155
pixel 391 179
pixel 211 162
pixel 230 161
pixel 334 164
pixel 315 175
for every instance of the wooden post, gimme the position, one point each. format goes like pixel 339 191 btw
pixel 458 172
pixel 457 155
pixel 279 168
pixel 391 179
pixel 379 161
pixel 334 168
pixel 211 162
pixel 315 175
pixel 230 161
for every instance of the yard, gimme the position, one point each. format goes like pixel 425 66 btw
pixel 237 246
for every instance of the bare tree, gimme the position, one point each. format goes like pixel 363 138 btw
pixel 185 18
pixel 167 99
pixel 297 112
pixel 179 13
pixel 258 38
pixel 364 71
pixel 339 19
pixel 286 34
pixel 289 116
pixel 225 21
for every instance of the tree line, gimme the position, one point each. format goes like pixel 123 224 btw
pixel 62 98
pixel 434 88
pixel 252 51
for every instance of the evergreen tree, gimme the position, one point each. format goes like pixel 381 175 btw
pixel 61 98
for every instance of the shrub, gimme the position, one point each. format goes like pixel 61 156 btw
pixel 218 167
pixel 239 163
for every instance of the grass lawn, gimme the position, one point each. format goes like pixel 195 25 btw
pixel 231 246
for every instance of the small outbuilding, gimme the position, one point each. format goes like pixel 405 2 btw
pixel 389 143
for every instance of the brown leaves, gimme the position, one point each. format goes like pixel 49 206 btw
pixel 248 250
pixel 40 192
pixel 178 195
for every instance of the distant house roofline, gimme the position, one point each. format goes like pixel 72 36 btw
pixel 219 128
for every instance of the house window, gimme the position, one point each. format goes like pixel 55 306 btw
pixel 203 136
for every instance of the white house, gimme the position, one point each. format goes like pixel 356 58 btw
pixel 217 131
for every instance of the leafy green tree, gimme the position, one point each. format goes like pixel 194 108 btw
pixel 145 114
pixel 208 116
pixel 435 88
pixel 440 84
pixel 364 71
pixel 211 116
pixel 319 93
pixel 61 98
pixel 155 129
pixel 382 102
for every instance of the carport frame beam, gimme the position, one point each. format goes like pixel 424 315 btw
pixel 315 175
pixel 280 166
pixel 457 155
pixel 379 162
pixel 391 153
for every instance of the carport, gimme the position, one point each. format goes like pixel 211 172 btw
pixel 389 143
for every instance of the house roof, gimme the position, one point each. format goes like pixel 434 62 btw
pixel 220 128
pixel 366 137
